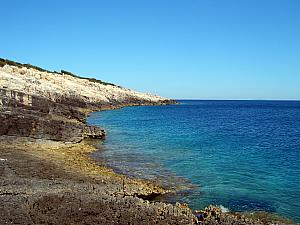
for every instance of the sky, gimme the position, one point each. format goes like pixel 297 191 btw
pixel 182 49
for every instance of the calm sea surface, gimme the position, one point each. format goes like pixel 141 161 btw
pixel 244 155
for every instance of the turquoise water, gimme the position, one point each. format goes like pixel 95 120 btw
pixel 244 155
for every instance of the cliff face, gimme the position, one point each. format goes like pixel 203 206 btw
pixel 51 105
pixel 58 86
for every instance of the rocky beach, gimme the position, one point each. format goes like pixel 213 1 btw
pixel 47 176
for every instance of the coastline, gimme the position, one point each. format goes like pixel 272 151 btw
pixel 46 173
pixel 79 175
pixel 69 170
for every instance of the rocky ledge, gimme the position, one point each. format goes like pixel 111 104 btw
pixel 46 174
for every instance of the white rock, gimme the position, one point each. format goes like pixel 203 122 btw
pixel 34 82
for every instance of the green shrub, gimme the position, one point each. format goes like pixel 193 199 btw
pixel 89 79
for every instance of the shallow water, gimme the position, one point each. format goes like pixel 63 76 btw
pixel 244 155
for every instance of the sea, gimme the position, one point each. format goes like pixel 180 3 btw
pixel 241 155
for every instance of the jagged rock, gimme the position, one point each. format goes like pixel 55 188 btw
pixel 93 132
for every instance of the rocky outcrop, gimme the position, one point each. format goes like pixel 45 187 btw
pixel 37 117
pixel 48 105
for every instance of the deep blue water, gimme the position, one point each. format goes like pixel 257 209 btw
pixel 244 155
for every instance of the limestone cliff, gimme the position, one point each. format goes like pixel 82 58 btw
pixel 42 104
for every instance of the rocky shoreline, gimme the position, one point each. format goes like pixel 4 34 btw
pixel 47 176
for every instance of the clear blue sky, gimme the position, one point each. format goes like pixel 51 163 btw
pixel 183 49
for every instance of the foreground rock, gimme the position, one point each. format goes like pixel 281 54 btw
pixel 54 183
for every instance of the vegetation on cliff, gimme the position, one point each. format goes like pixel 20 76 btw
pixel 4 62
